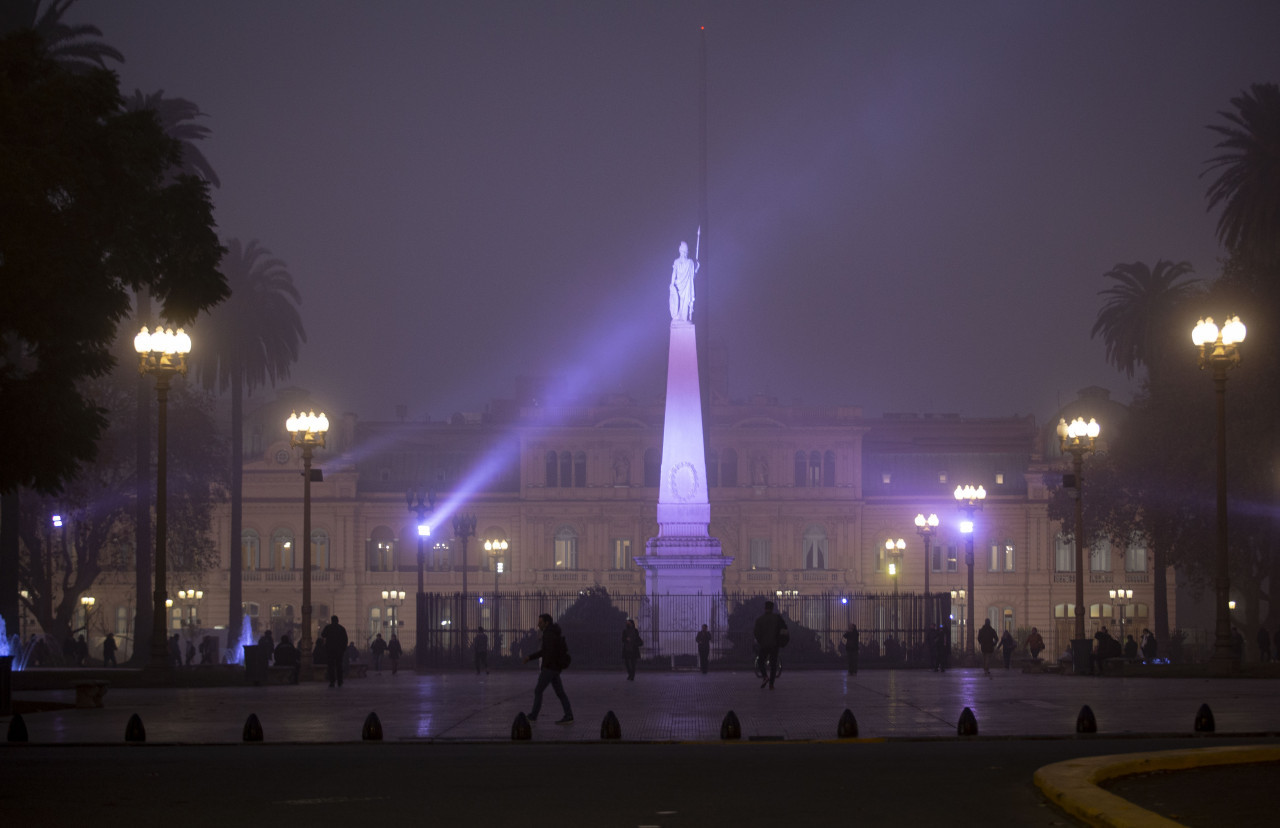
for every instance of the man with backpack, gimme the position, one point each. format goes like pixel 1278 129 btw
pixel 555 657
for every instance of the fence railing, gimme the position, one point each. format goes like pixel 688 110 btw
pixel 892 629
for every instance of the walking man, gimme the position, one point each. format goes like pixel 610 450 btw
pixel 555 657
pixel 768 634
pixel 376 649
pixel 335 646
pixel 987 640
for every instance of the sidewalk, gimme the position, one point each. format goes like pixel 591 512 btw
pixel 679 706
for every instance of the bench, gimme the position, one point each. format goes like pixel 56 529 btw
pixel 89 692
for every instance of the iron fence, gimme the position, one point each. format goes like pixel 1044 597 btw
pixel 891 628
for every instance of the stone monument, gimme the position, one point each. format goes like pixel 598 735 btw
pixel 684 565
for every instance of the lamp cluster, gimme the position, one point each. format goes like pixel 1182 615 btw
pixel 971 494
pixel 307 427
pixel 1077 432
pixel 162 350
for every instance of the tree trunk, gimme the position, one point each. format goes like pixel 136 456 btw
pixel 143 538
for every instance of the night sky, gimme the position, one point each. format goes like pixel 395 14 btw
pixel 911 203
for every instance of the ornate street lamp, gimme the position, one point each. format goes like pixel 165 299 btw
pixel 1219 350
pixel 464 527
pixel 161 353
pixel 893 550
pixel 306 432
pixel 926 528
pixel 969 500
pixel 192 598
pixel 1078 439
pixel 1122 597
pixel 393 598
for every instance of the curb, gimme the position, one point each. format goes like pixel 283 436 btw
pixel 1074 785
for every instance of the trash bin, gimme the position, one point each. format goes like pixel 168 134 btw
pixel 255 663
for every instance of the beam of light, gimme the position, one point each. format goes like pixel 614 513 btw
pixel 605 351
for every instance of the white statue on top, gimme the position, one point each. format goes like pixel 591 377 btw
pixel 683 270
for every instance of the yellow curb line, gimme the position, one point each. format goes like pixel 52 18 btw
pixel 1073 785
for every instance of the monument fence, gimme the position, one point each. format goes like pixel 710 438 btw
pixel 891 628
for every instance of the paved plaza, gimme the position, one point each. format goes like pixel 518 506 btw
pixel 661 706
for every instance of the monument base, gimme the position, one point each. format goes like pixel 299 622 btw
pixel 684 582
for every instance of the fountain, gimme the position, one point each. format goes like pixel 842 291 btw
pixel 235 654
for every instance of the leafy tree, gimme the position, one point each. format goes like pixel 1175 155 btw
pixel 250 340
pixel 1248 183
pixel 75 47
pixel 58 565
pixel 85 217
pixel 1136 321
pixel 592 625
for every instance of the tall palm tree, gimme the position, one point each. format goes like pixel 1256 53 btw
pixel 176 117
pixel 250 340
pixel 1248 186
pixel 75 47
pixel 1135 320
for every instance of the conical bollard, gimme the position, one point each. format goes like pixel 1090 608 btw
pixel 17 729
pixel 1204 719
pixel 521 730
pixel 134 731
pixel 610 728
pixel 968 723
pixel 847 727
pixel 252 729
pixel 372 730
pixel 730 728
pixel 1085 722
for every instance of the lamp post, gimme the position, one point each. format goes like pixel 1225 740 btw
pixel 926 527
pixel 958 597
pixel 86 609
pixel 191 598
pixel 893 551
pixel 969 500
pixel 1078 439
pixel 464 527
pixel 421 504
pixel 1122 597
pixel 1220 350
pixel 161 353
pixel 393 598
pixel 306 432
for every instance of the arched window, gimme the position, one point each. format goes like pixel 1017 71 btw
pixel 580 469
pixel 552 474
pixel 375 621
pixel 381 550
pixel 566 548
pixel 320 549
pixel 1135 555
pixel 652 467
pixel 800 469
pixel 713 469
pixel 815 548
pixel 815 469
pixel 566 469
pixel 281 549
pixel 829 468
pixel 729 468
pixel 250 550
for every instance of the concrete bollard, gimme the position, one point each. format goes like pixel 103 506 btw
pixel 610 728
pixel 372 730
pixel 1204 719
pixel 847 727
pixel 730 728
pixel 134 731
pixel 968 725
pixel 1085 722
pixel 17 729
pixel 252 729
pixel 521 730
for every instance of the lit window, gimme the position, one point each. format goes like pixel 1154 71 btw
pixel 886 478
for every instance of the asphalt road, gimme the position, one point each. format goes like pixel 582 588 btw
pixel 957 782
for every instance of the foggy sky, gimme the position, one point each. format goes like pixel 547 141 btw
pixel 911 203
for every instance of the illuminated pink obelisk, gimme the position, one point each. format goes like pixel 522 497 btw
pixel 683 560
